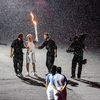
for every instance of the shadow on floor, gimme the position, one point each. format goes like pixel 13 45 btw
pixel 90 83
pixel 31 81
pixel 73 83
pixel 38 78
pixel 34 81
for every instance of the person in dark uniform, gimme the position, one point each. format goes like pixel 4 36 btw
pixel 17 54
pixel 51 50
pixel 77 47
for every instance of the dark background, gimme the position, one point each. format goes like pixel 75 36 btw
pixel 61 18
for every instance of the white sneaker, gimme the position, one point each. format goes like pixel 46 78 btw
pixel 34 73
pixel 27 75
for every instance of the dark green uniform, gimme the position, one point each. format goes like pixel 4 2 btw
pixel 77 47
pixel 17 45
pixel 50 58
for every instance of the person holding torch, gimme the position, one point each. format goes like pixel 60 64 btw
pixel 30 54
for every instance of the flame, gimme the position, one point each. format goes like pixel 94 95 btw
pixel 35 25
pixel 33 19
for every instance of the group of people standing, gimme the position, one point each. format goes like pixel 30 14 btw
pixel 17 54
pixel 18 45
pixel 55 81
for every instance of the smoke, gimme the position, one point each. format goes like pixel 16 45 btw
pixel 61 18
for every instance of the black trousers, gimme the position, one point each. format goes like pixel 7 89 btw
pixel 18 64
pixel 49 61
pixel 77 60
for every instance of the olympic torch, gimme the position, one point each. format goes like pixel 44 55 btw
pixel 35 26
